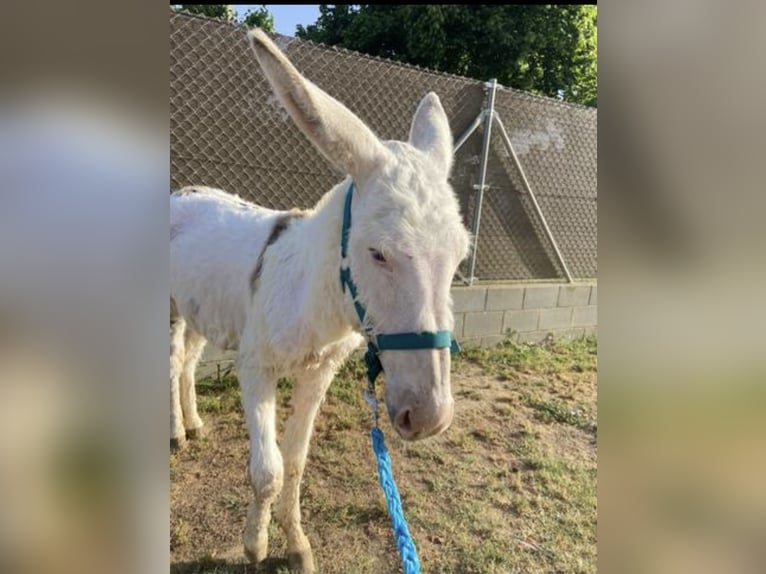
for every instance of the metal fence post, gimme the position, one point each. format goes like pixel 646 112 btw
pixel 488 115
pixel 528 188
pixel 467 133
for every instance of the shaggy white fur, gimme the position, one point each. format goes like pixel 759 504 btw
pixel 267 283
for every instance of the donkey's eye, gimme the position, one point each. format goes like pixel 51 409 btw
pixel 377 255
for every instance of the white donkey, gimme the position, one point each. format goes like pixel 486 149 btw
pixel 266 283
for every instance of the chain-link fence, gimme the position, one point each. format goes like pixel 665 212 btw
pixel 227 131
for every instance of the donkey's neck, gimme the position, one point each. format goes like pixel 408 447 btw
pixel 330 310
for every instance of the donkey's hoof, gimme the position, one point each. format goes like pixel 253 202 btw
pixel 194 434
pixel 302 562
pixel 254 557
pixel 177 444
pixel 256 553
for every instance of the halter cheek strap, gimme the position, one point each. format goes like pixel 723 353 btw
pixel 383 342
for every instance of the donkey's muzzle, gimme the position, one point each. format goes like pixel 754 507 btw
pixel 414 422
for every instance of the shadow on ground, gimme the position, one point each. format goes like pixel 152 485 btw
pixel 224 566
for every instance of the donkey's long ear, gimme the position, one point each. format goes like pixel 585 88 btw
pixel 341 136
pixel 430 132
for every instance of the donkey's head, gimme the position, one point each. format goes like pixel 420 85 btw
pixel 407 237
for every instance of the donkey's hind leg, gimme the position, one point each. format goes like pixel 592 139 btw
pixel 177 352
pixel 308 393
pixel 194 344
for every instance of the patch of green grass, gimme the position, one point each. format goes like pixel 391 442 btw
pixel 353 371
pixel 511 356
pixel 215 385
pixel 548 411
pixel 471 394
pixel 284 391
pixel 231 501
pixel 349 382
pixel 179 533
pixel 218 395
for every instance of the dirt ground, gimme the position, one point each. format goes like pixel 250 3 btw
pixel 509 487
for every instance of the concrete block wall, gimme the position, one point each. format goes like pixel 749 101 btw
pixel 485 314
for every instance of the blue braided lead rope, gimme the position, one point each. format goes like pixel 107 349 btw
pixel 410 562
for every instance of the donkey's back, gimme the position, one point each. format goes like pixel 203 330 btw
pixel 216 240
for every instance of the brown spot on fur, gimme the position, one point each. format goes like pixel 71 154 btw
pixel 282 223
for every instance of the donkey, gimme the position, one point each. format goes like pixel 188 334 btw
pixel 266 283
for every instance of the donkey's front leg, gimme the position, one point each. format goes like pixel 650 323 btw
pixel 308 393
pixel 177 352
pixel 265 467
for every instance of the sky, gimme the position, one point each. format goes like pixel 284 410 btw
pixel 286 16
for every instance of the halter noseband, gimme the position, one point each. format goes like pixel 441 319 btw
pixel 382 342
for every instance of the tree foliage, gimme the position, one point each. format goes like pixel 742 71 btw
pixel 545 49
pixel 220 11
pixel 260 17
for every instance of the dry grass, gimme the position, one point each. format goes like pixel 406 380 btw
pixel 509 487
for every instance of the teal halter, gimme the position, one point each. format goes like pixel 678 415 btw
pixel 381 342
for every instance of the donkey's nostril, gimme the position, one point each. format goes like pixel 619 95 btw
pixel 403 421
